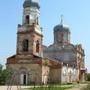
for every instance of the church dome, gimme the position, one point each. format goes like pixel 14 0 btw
pixel 61 28
pixel 29 3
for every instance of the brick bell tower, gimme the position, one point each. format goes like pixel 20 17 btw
pixel 28 58
pixel 29 35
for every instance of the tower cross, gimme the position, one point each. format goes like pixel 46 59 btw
pixel 61 19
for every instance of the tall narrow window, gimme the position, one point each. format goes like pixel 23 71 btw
pixel 37 46
pixel 27 19
pixel 25 45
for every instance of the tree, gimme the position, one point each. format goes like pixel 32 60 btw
pixel 0 67
pixel 5 74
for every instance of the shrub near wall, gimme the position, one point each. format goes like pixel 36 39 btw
pixel 5 74
pixel 88 76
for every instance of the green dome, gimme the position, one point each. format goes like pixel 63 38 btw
pixel 29 3
pixel 61 28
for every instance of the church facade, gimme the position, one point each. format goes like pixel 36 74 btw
pixel 61 62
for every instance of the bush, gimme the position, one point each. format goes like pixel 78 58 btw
pixel 5 74
pixel 88 77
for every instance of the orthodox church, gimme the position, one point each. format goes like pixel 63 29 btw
pixel 61 62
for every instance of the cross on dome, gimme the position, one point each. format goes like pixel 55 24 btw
pixel 61 20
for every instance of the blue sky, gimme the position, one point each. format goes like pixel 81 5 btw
pixel 76 14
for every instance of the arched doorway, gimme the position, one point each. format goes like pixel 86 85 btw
pixel 23 79
pixel 23 76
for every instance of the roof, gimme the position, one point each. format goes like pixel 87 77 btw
pixel 51 62
pixel 32 59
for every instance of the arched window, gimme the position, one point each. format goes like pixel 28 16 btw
pixel 25 45
pixel 37 46
pixel 27 19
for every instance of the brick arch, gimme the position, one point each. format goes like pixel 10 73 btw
pixel 23 70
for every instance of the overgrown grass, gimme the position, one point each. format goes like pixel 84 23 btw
pixel 49 88
pixel 87 87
